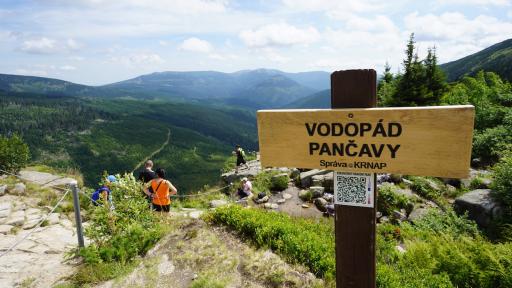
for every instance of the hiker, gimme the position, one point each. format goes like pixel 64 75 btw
pixel 145 175
pixel 162 190
pixel 246 188
pixel 240 157
pixel 103 194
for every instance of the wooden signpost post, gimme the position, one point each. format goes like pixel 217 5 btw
pixel 356 138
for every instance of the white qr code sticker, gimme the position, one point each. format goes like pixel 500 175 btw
pixel 354 189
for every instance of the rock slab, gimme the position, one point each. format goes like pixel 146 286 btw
pixel 480 206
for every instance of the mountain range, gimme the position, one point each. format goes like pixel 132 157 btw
pixel 254 89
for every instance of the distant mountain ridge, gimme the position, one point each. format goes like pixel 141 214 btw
pixel 261 88
pixel 496 58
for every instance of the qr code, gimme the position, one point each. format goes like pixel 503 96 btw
pixel 352 189
pixel 355 189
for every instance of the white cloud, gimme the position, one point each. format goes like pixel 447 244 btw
pixel 31 72
pixel 196 45
pixel 177 6
pixel 39 46
pixel 67 68
pixel 476 2
pixel 281 34
pixel 455 27
pixel 163 43
pixel 137 59
pixel 45 45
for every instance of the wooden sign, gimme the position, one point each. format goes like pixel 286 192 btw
pixel 426 141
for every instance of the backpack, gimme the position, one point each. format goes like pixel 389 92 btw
pixel 242 153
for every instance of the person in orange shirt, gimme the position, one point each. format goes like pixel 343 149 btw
pixel 162 190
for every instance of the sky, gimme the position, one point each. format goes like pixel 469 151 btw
pixel 97 42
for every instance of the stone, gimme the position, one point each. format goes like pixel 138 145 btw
pixel 31 211
pixel 451 188
pixel 31 224
pixel 330 209
pixel 233 177
pixel 54 218
pixel 262 200
pixel 195 214
pixel 317 191
pixel 383 219
pixel 3 189
pixel 165 267
pixel 381 178
pixel 15 221
pixel 5 229
pixel 417 214
pixel 294 173
pixel 407 182
pixel 286 196
pixel 328 197
pixel 399 215
pixel 317 180
pixel 378 214
pixel 452 181
pixel 329 182
pixel 396 178
pixel 281 201
pixel 305 206
pixel 480 206
pixel 400 249
pixel 19 189
pixel 218 203
pixel 320 204
pixel 306 177
pixel 5 209
pixel 271 206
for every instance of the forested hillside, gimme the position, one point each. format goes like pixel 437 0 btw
pixel 96 135
pixel 497 59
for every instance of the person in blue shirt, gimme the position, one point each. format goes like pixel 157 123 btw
pixel 103 194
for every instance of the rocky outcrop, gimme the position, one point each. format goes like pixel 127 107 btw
pixel 251 172
pixel 218 203
pixel 480 207
pixel 306 178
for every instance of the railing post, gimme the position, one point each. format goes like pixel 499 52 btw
pixel 78 218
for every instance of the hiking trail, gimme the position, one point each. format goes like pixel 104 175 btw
pixel 141 163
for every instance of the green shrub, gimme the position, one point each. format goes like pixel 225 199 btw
pixel 502 185
pixel 280 182
pixel 297 240
pixel 489 144
pixel 388 200
pixel 306 195
pixel 14 154
pixel 426 187
pixel 118 236
pixel 263 182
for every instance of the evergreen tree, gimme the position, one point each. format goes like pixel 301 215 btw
pixel 422 82
pixel 14 154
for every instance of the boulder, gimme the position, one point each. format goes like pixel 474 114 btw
pixel 399 215
pixel 5 209
pixel 317 180
pixel 294 173
pixel 417 214
pixel 271 206
pixel 480 206
pixel 251 172
pixel 217 203
pixel 381 178
pixel 329 182
pixel 54 218
pixel 328 197
pixel 396 178
pixel 316 191
pixel 383 219
pixel 306 177
pixel 3 189
pixel 19 189
pixel 15 221
pixel 281 201
pixel 5 229
pixel 321 203
pixel 304 206
pixel 286 196
pixel 451 181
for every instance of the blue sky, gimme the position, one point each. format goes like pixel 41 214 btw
pixel 103 41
